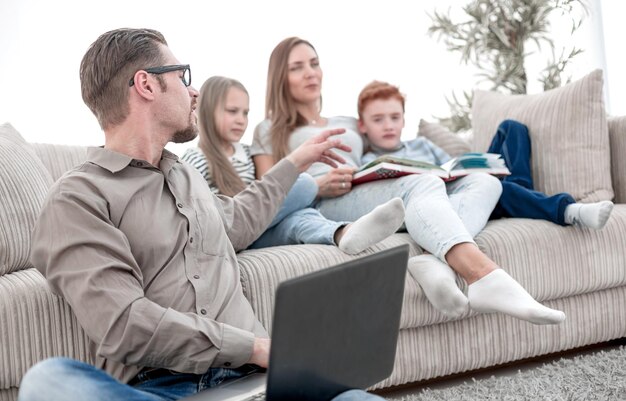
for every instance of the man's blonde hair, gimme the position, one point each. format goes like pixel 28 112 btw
pixel 109 64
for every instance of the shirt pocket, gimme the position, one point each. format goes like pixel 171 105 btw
pixel 210 227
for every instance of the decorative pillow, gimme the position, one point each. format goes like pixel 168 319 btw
pixel 617 138
pixel 24 183
pixel 450 142
pixel 568 130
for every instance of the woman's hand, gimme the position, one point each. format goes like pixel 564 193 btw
pixel 318 149
pixel 336 182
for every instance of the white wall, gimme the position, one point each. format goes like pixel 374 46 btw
pixel 42 43
pixel 613 12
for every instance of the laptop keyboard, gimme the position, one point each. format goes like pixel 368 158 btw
pixel 257 397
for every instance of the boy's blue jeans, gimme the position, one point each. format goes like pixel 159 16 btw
pixel 62 379
pixel 519 199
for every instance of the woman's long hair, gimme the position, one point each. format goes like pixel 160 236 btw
pixel 280 108
pixel 212 97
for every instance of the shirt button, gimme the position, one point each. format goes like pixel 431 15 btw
pixel 191 240
pixel 226 363
pixel 196 276
pixel 180 205
pixel 203 311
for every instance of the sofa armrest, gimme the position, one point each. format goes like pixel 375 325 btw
pixel 617 140
pixel 35 325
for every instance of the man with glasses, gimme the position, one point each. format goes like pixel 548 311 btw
pixel 141 249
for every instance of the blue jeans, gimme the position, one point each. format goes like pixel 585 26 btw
pixel 62 379
pixel 296 222
pixel 519 199
pixel 438 215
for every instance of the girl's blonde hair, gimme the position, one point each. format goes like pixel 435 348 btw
pixel 213 96
pixel 280 108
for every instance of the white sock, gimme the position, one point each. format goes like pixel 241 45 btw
pixel 499 292
pixel 438 281
pixel 372 228
pixel 592 215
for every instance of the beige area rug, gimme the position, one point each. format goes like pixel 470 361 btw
pixel 597 376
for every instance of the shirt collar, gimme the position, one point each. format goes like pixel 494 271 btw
pixel 380 150
pixel 240 153
pixel 115 162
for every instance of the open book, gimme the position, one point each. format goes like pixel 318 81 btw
pixel 392 167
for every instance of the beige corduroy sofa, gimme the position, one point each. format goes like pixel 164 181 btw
pixel 579 271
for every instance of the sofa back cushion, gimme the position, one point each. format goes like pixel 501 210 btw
pixel 441 136
pixel 58 159
pixel 569 134
pixel 617 138
pixel 24 183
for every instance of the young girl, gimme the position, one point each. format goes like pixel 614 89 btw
pixel 227 167
pixel 293 107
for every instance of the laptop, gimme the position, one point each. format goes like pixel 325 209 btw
pixel 335 329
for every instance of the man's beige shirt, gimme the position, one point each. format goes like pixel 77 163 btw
pixel 145 257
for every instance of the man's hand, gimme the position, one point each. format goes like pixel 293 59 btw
pixel 261 352
pixel 317 149
pixel 336 182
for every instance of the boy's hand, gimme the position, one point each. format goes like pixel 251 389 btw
pixel 317 149
pixel 336 182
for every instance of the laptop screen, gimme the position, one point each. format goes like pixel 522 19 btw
pixel 336 329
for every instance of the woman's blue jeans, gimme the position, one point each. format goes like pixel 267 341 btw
pixel 63 379
pixel 298 223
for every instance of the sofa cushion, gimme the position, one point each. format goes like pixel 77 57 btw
pixel 569 134
pixel 553 261
pixel 451 143
pixel 617 138
pixel 263 269
pixel 23 187
pixel 58 159
pixel 549 260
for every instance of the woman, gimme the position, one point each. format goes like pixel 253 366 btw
pixel 293 106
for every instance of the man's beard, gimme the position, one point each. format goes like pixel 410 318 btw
pixel 185 135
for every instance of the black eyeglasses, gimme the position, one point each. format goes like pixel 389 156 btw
pixel 186 78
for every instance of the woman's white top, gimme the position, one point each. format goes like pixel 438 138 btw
pixel 262 143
